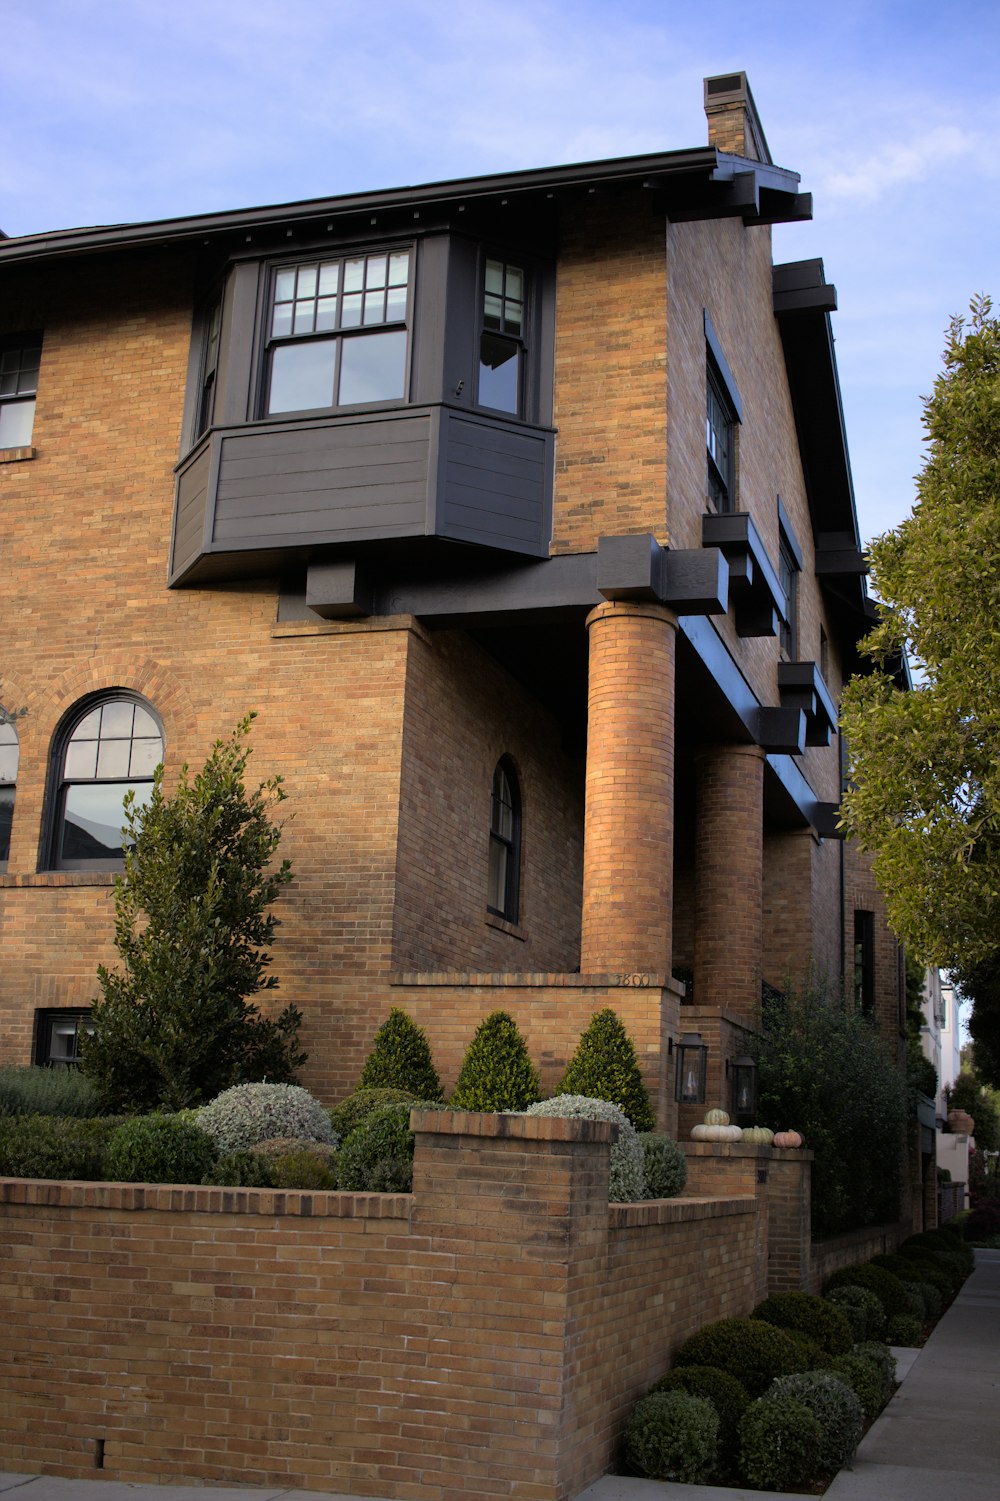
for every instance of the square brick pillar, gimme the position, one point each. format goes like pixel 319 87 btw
pixel 729 879
pixel 629 821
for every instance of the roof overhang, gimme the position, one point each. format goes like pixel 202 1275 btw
pixel 700 183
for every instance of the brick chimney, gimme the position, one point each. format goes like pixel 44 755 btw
pixel 733 122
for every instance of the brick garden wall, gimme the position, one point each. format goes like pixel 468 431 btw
pixel 484 1336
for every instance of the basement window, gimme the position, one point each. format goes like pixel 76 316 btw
pixel 57 1037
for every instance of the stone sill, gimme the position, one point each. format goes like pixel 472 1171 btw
pixel 17 455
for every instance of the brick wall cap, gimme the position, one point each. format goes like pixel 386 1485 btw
pixel 680 1211
pixel 188 1198
pixel 511 1126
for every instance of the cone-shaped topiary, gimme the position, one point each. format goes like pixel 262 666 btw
pixel 604 1067
pixel 496 1073
pixel 401 1059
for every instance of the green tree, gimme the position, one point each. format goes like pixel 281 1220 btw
pixel 496 1073
pixel 401 1059
pixel 925 765
pixel 177 1024
pixel 604 1067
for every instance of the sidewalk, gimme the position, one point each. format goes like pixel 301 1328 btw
pixel 939 1436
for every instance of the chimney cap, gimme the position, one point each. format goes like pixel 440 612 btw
pixel 727 93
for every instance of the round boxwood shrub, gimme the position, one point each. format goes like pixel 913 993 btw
pixel 377 1157
pixel 496 1072
pixel 664 1166
pixel 728 1396
pixel 753 1351
pixel 158 1149
pixel 932 1298
pixel 241 1117
pixel 918 1308
pixel 803 1313
pixel 861 1307
pixel 945 1247
pixel 240 1170
pixel 352 1111
pixel 865 1380
pixel 604 1067
pixel 299 1164
pixel 909 1266
pixel 626 1183
pixel 903 1329
pixel 880 1356
pixel 401 1059
pixel 673 1436
pixel 834 1406
pixel 779 1442
pixel 887 1288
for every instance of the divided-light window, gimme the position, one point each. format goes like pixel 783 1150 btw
pixel 501 341
pixel 113 748
pixel 20 358
pixel 337 332
pixel 720 440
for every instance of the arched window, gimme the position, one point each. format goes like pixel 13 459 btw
pixel 112 747
pixel 9 754
pixel 505 842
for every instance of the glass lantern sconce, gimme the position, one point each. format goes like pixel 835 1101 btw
pixel 691 1066
pixel 742 1074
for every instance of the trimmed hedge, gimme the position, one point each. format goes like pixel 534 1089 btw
pixel 673 1436
pixel 803 1313
pixel 53 1146
pixel 728 1396
pixel 158 1149
pixel 352 1111
pixel 886 1287
pixel 779 1442
pixel 903 1329
pixel 664 1166
pixel 861 1308
pixel 834 1406
pixel 753 1351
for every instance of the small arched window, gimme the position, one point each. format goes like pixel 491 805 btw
pixel 9 755
pixel 505 842
pixel 112 747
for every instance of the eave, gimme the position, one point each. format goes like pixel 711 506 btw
pixel 701 178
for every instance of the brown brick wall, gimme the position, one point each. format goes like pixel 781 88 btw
pixel 610 374
pixel 485 1336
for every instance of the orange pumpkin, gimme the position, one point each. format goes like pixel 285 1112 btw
pixel 787 1139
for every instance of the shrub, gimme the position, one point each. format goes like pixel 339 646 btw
pixel 932 1298
pixel 886 1287
pixel 878 1353
pixel 861 1307
pixel 664 1166
pixel 855 1099
pixel 377 1157
pixel 903 1329
pixel 673 1436
pixel 779 1442
pixel 604 1067
pixel 46 1091
pixel 626 1182
pixel 294 1163
pixel 52 1146
pixel 250 1113
pixel 909 1267
pixel 945 1247
pixel 401 1059
pixel 805 1314
pixel 833 1405
pixel 918 1308
pixel 727 1395
pixel 984 1221
pixel 496 1072
pixel 177 1023
pixel 749 1349
pixel 352 1111
pixel 158 1149
pixel 865 1380
pixel 240 1170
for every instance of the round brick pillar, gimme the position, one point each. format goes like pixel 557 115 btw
pixel 629 825
pixel 729 878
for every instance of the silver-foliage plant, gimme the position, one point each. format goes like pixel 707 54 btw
pixel 247 1114
pixel 627 1178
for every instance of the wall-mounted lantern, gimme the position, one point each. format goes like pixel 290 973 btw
pixel 691 1069
pixel 742 1074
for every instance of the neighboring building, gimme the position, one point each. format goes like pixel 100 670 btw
pixel 520 509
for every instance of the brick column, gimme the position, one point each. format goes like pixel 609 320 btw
pixel 728 879
pixel 629 825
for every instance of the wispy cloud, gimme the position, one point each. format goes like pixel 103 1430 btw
pixel 910 162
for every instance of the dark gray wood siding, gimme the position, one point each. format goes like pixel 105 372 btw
pixel 192 499
pixel 425 471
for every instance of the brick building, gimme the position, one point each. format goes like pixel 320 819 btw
pixel 520 510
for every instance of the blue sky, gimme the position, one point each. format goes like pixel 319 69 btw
pixel 119 110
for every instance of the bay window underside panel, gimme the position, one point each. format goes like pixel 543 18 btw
pixel 424 472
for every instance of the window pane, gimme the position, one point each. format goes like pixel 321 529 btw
pixel 494 277
pixel 89 727
pixel 302 376
pixel 395 305
pixel 93 818
pixel 16 421
pixel 326 314
pixel 6 818
pixel 305 315
pixel 491 311
pixel 281 323
pixel 8 763
pixel 514 288
pixel 284 286
pixel 373 368
pixel 354 275
pixel 146 757
pixel 81 759
pixel 374 307
pixel 113 758
pixel 351 315
pixel 8 383
pixel 399 269
pixel 117 720
pixel 307 281
pixel 497 893
pixel 375 271
pixel 144 723
pixel 329 278
pixel 499 361
pixel 62 1048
